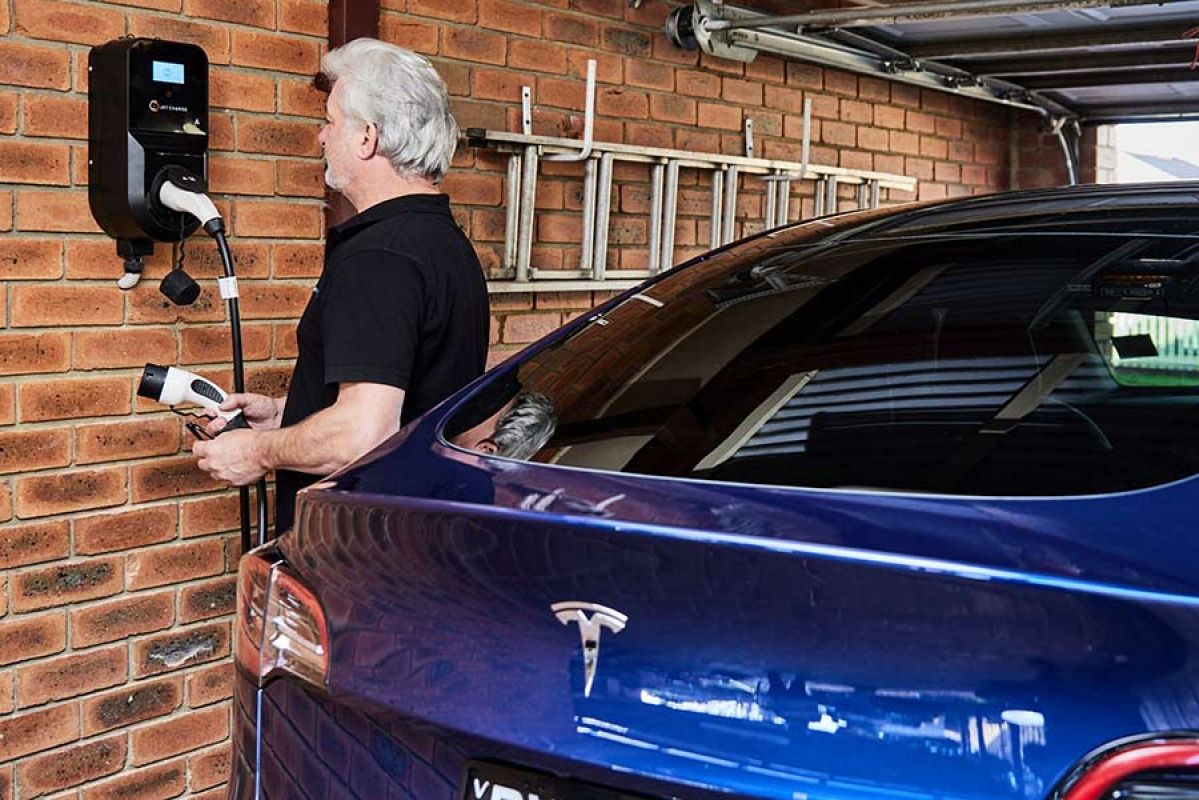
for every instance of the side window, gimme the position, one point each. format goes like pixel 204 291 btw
pixel 1019 363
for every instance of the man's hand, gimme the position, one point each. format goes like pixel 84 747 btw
pixel 262 412
pixel 232 457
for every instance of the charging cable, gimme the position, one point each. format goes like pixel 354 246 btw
pixel 181 190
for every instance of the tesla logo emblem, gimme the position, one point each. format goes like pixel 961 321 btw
pixel 590 628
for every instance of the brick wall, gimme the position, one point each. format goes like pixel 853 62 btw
pixel 116 554
pixel 653 94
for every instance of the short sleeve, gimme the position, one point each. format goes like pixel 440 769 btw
pixel 372 307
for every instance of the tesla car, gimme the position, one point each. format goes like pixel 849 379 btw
pixel 892 504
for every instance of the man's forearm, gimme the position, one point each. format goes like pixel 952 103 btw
pixel 329 439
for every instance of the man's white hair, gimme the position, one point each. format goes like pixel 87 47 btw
pixel 401 94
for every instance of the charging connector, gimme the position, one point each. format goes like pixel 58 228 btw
pixel 182 190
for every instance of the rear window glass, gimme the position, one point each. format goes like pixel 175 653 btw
pixel 1030 362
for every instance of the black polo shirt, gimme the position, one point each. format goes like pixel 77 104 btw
pixel 401 301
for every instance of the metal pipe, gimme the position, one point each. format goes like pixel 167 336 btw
pixel 830 195
pixel 528 197
pixel 875 194
pixel 587 256
pixel 657 181
pixel 671 206
pixel 819 198
pixel 784 189
pixel 729 216
pixel 603 210
pixel 1068 151
pixel 588 121
pixel 512 214
pixel 916 12
pixel 714 217
pixel 772 198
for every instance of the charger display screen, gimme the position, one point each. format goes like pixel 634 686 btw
pixel 166 72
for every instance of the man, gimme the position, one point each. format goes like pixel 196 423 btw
pixel 518 429
pixel 399 318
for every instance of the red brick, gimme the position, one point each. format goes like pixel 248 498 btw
pixel 673 108
pixel 278 137
pixel 29 353
pixel 71 676
pixel 473 44
pixel 66 583
pixel 125 530
pixel 72 491
pixel 34 163
pixel 173 564
pixel 304 16
pixel 8 111
pixel 157 782
pixel 212 515
pixel 116 441
pixel 117 619
pixel 474 188
pixel 209 599
pixel 212 344
pixel 298 260
pixel 60 117
pixel 38 67
pixel 131 704
pixel 624 103
pixel 445 10
pixel 169 478
pixel 698 84
pixel 649 74
pixel 275 52
pixel 41 305
pixel 522 328
pixel 38 730
pixel 210 684
pixel 180 648
pixel 285 344
pixel 22 451
pixel 210 768
pixel 65 212
pixel 271 219
pixel 256 13
pixel 505 15
pixel 300 178
pixel 416 36
pixel 213 38
pixel 72 766
pixel 274 301
pixel 637 44
pixel 5 509
pixel 301 98
pixel 7 704
pixel 67 22
pixel 111 349
pixel 73 399
pixel 570 29
pixel 24 258
pixel 233 175
pixel 30 637
pixel 29 544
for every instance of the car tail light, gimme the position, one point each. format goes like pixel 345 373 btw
pixel 1157 769
pixel 280 624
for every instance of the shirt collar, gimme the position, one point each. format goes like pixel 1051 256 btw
pixel 404 204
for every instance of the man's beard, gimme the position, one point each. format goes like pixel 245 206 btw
pixel 332 180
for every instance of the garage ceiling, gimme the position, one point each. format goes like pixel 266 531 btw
pixel 1086 60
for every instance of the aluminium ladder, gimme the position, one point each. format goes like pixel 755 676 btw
pixel 526 151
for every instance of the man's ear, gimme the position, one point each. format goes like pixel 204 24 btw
pixel 368 140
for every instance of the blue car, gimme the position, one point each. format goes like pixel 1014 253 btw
pixel 892 504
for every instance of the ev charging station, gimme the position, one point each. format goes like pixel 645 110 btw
pixel 147 169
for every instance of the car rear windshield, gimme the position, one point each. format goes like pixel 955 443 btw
pixel 1007 363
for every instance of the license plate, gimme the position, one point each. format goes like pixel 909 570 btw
pixel 496 782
